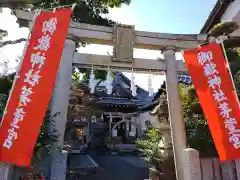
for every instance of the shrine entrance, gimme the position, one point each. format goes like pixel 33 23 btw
pixel 126 128
pixel 124 39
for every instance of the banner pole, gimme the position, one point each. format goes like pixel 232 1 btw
pixel 229 70
pixel 37 12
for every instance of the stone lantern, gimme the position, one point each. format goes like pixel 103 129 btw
pixel 165 162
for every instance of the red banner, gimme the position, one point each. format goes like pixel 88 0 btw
pixel 211 79
pixel 33 89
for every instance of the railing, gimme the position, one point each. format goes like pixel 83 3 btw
pixel 212 169
pixel 209 169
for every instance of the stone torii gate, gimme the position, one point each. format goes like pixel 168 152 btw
pixel 123 39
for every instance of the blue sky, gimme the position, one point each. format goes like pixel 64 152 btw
pixel 167 16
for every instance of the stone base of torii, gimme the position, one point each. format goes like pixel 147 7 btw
pixel 123 39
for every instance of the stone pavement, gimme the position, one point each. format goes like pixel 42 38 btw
pixel 136 161
pixel 118 168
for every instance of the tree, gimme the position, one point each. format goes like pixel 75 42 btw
pixel 5 82
pixel 12 3
pixel 45 139
pixel 222 28
pixel 3 34
pixel 86 11
pixel 198 133
pixel 232 48
pixel 149 147
pixel 5 87
pixel 4 43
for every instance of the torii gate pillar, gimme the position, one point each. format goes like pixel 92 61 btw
pixel 59 104
pixel 175 111
pixel 61 93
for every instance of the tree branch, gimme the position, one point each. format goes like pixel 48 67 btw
pixel 4 43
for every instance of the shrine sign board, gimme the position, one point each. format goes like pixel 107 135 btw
pixel 123 43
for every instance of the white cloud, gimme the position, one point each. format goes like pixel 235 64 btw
pixel 11 52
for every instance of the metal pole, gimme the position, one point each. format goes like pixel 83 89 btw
pixel 220 40
pixel 229 69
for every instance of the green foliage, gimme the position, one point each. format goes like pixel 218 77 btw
pixel 3 102
pixel 5 87
pixel 233 54
pixel 223 28
pixel 232 48
pixel 90 12
pixel 47 139
pixel 231 45
pixel 6 83
pixel 149 147
pixel 3 34
pixel 86 11
pixel 76 76
pixel 77 72
pixel 198 133
pixel 99 74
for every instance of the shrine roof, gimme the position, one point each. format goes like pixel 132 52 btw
pixel 122 101
pixel 121 94
pixel 121 89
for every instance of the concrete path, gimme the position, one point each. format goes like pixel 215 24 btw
pixel 119 168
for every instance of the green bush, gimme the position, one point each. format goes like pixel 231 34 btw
pixel 223 28
pixel 149 147
pixel 47 140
